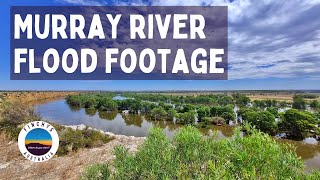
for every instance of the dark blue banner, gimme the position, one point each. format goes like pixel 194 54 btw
pixel 119 43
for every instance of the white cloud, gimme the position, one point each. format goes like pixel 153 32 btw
pixel 82 2
pixel 267 38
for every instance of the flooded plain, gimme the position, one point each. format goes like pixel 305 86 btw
pixel 60 112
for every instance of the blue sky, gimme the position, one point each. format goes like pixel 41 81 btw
pixel 272 45
pixel 38 134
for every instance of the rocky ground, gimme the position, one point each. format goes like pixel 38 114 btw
pixel 14 166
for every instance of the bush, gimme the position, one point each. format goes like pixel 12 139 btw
pixel 213 120
pixel 13 115
pixel 73 140
pixel 96 172
pixel 190 155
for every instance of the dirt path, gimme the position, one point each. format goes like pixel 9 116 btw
pixel 14 166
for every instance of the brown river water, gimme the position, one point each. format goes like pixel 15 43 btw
pixel 59 111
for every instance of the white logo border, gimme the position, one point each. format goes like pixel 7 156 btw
pixel 38 124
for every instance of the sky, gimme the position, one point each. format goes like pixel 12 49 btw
pixel 38 134
pixel 273 45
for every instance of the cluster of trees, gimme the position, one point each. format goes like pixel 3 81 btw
pixel 262 104
pixel 315 104
pixel 299 124
pixel 262 120
pixel 299 102
pixel 211 99
pixel 295 123
pixel 205 110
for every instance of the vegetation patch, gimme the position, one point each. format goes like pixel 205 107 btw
pixel 211 109
pixel 190 155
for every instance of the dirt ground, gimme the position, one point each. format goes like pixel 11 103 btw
pixel 14 166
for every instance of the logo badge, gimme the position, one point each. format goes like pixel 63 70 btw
pixel 38 141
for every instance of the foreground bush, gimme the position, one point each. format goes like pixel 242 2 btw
pixel 190 155
pixel 97 171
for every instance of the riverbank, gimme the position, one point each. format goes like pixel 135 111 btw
pixel 14 166
pixel 33 97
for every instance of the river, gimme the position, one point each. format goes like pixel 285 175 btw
pixel 60 112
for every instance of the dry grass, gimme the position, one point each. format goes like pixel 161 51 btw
pixel 4 139
pixel 278 97
pixel 35 97
pixel 9 149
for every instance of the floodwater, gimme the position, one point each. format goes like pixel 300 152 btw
pixel 60 112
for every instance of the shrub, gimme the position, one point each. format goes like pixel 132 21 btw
pixel 218 120
pixel 96 172
pixel 73 140
pixel 190 155
pixel 13 115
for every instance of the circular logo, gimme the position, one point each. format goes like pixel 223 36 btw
pixel 38 141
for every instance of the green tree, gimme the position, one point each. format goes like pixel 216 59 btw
pixel 158 113
pixel 186 117
pixel 227 116
pixel 74 100
pixel 314 104
pixel 298 102
pixel 262 120
pixel 297 124
pixel 259 104
pixel 241 99
pixel 171 113
pixel 90 103
pixel 203 111
pixel 273 110
pixel 107 104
